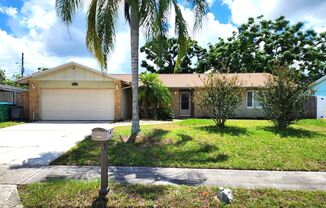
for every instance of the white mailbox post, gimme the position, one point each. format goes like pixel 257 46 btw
pixel 103 135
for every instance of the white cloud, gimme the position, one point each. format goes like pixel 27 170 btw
pixel 210 2
pixel 37 31
pixel 47 42
pixel 311 12
pixel 10 11
pixel 210 31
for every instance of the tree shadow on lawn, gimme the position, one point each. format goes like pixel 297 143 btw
pixel 154 150
pixel 153 138
pixel 184 152
pixel 228 130
pixel 85 153
pixel 291 132
pixel 184 139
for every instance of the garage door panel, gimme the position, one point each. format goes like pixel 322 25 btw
pixel 77 104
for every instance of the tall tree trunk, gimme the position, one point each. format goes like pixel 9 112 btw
pixel 134 41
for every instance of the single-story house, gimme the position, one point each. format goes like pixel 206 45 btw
pixel 319 87
pixel 76 92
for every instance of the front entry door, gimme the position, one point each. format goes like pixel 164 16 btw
pixel 185 104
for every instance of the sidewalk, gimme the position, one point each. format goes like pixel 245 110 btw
pixel 285 180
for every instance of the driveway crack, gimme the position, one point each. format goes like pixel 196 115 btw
pixel 32 175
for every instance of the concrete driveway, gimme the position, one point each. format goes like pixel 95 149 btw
pixel 39 143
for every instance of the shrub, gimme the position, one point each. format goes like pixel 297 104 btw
pixel 219 97
pixel 283 97
pixel 155 98
pixel 164 113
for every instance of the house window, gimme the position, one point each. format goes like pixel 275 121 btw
pixel 252 100
pixel 184 101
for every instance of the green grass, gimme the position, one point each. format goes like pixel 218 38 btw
pixel 9 123
pixel 197 143
pixel 81 194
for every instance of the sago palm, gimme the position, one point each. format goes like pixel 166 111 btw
pixel 151 14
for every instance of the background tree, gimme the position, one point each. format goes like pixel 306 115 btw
pixel 6 81
pixel 166 61
pixel 259 43
pixel 155 98
pixel 2 76
pixel 219 97
pixel 283 98
pixel 151 14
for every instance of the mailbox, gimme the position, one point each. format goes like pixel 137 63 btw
pixel 101 134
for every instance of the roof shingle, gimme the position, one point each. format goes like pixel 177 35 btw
pixel 195 80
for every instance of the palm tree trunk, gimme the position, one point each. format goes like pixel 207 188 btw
pixel 134 41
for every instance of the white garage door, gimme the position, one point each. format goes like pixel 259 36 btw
pixel 77 104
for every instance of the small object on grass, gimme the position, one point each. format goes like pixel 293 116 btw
pixel 225 195
pixel 204 193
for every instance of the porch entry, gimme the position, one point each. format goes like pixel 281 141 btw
pixel 185 104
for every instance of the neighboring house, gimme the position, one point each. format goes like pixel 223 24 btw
pixel 320 86
pixel 19 97
pixel 76 92
pixel 320 101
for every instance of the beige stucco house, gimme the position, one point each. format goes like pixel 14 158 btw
pixel 76 92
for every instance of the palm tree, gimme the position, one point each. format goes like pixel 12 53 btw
pixel 150 14
pixel 153 94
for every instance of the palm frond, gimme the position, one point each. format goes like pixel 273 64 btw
pixel 201 9
pixel 66 9
pixel 127 10
pixel 155 17
pixel 92 40
pixel 107 14
pixel 101 21
pixel 182 33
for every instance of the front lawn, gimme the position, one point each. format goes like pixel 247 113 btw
pixel 9 123
pixel 81 194
pixel 197 143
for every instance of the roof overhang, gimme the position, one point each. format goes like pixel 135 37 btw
pixel 11 88
pixel 24 80
pixel 318 81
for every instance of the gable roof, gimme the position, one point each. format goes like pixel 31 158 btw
pixel 195 80
pixel 24 80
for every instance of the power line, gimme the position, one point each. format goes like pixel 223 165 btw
pixel 22 66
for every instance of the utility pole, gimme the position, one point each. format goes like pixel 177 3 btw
pixel 22 67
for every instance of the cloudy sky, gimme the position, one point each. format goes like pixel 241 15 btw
pixel 32 27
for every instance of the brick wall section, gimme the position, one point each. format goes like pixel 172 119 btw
pixel 175 95
pixel 117 100
pixel 34 100
pixel 197 111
